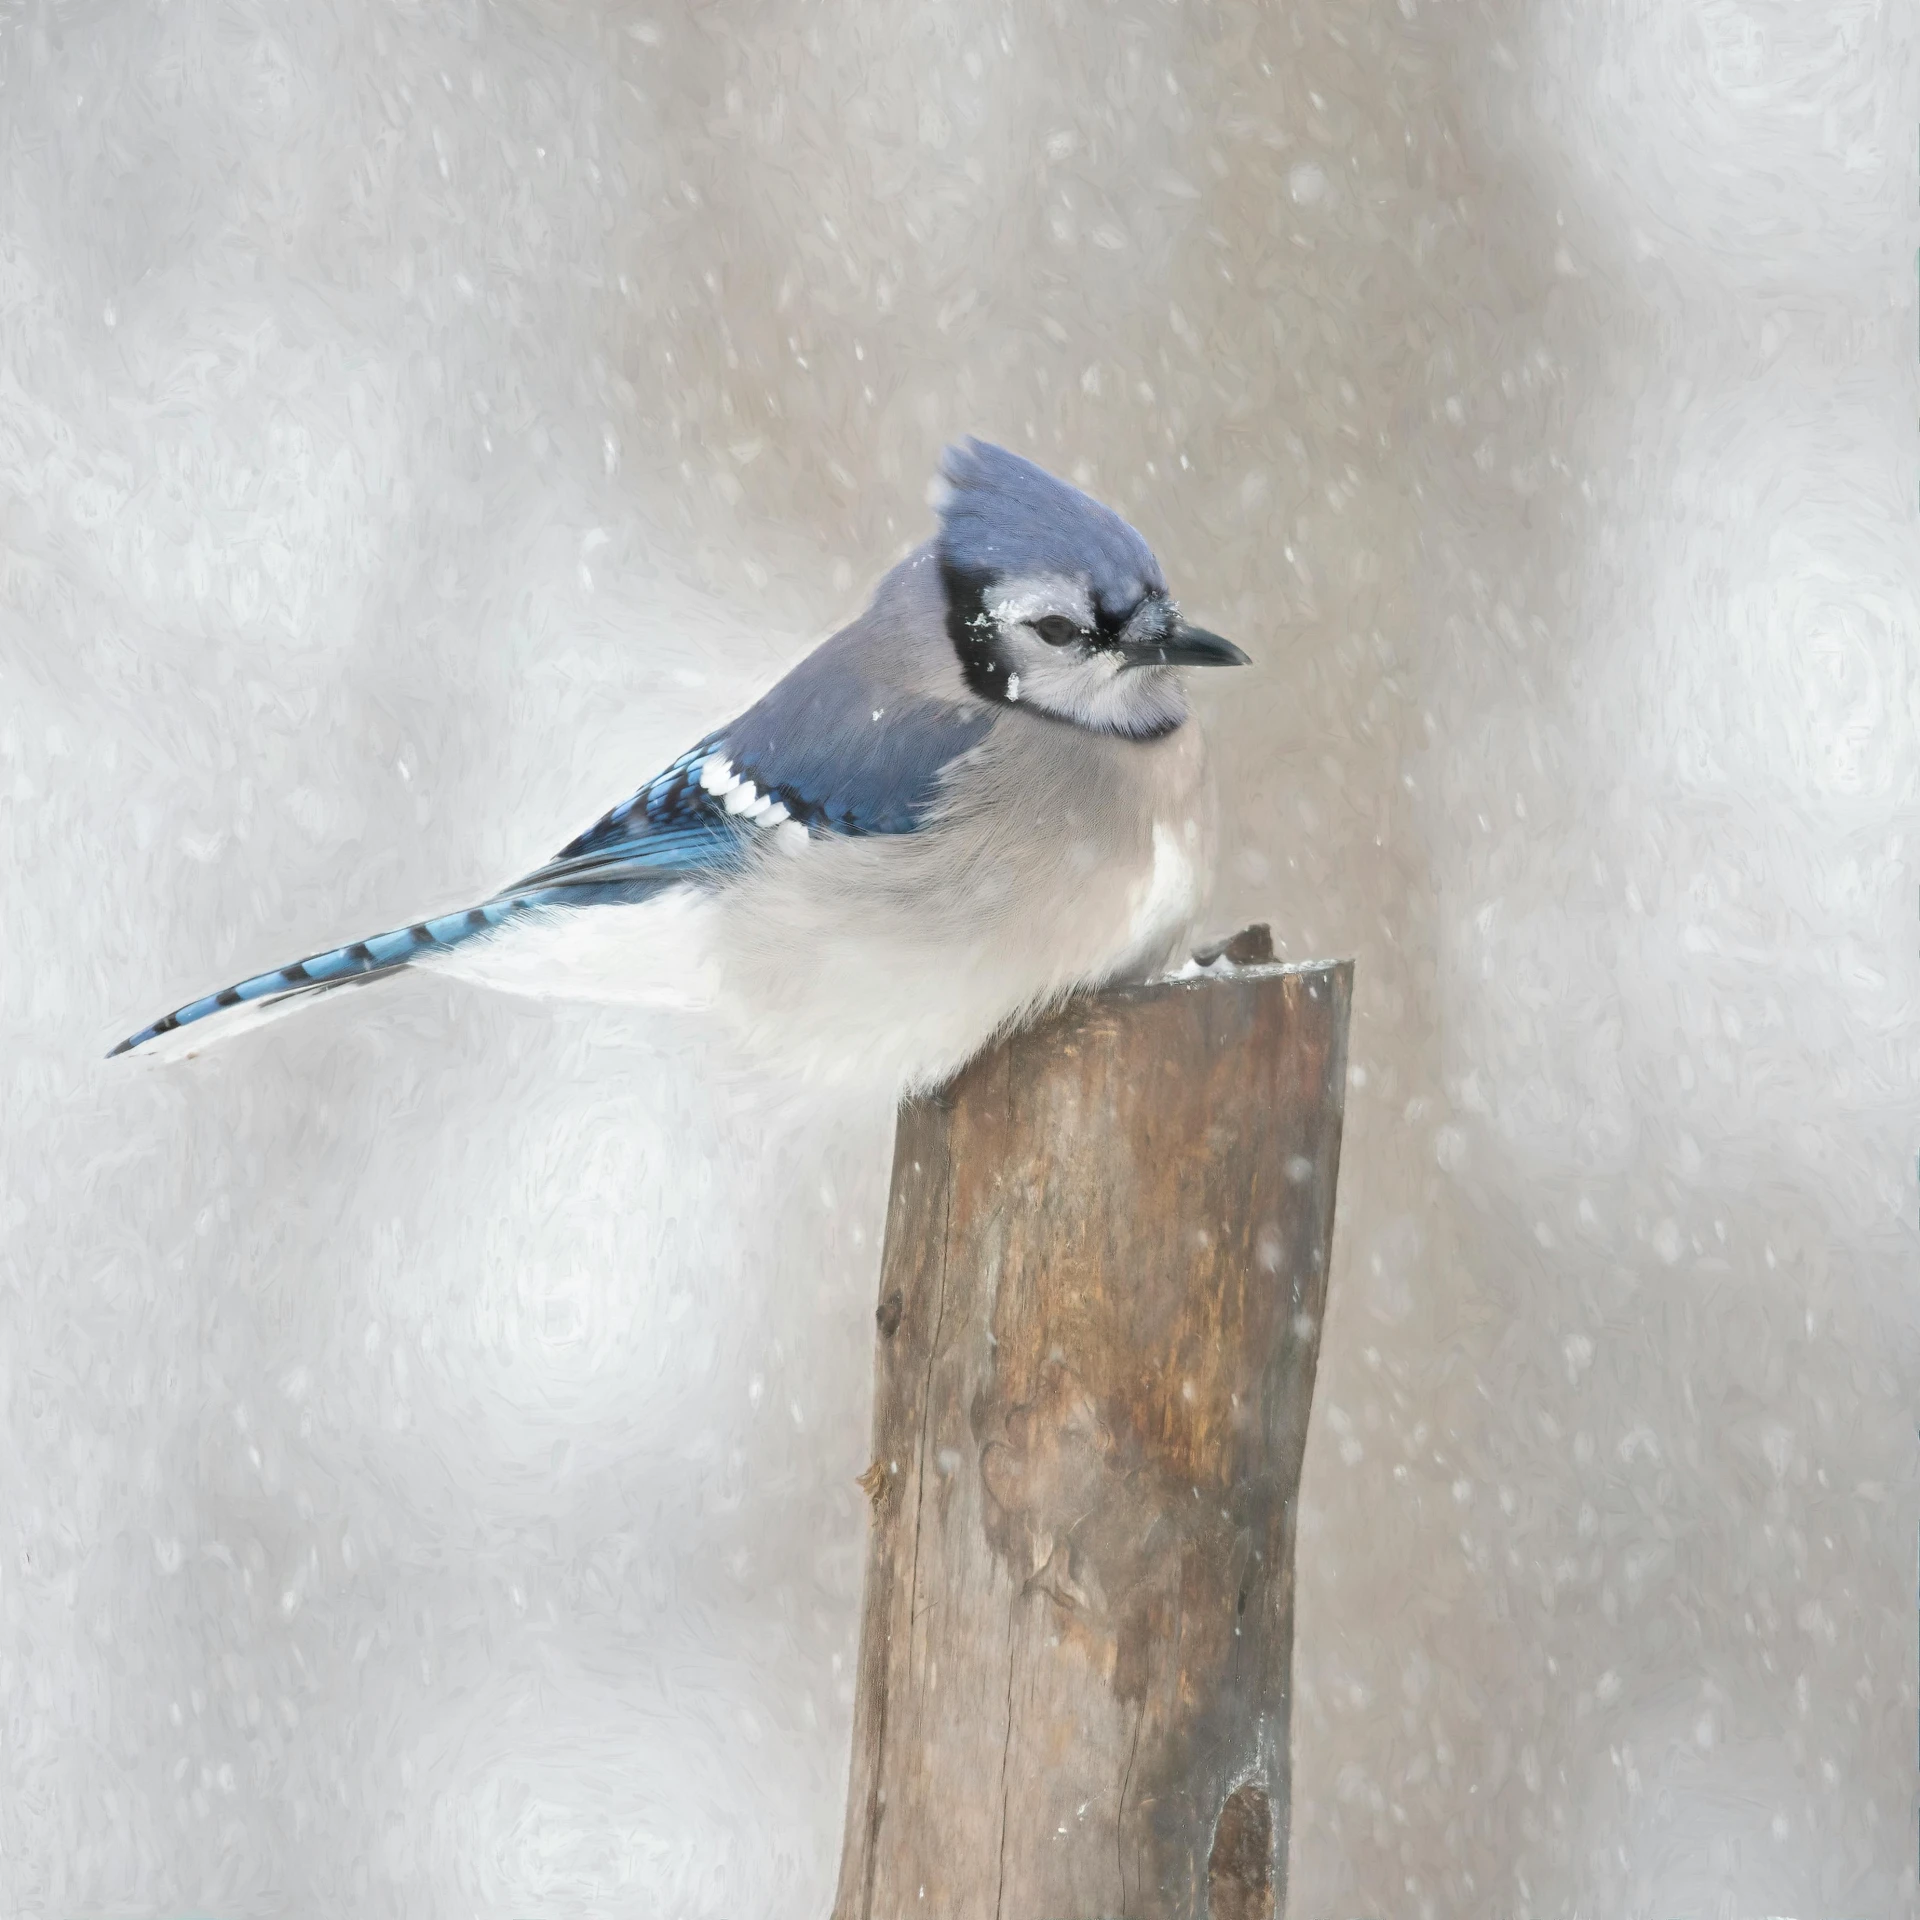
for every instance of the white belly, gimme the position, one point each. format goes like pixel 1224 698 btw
pixel 893 962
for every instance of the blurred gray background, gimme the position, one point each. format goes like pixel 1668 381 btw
pixel 430 1426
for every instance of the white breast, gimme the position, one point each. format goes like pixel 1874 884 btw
pixel 1165 900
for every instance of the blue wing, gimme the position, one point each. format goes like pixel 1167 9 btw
pixel 851 757
pixel 804 757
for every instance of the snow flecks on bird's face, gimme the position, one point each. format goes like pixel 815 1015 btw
pixel 1041 597
pixel 1060 652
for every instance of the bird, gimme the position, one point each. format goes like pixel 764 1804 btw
pixel 984 794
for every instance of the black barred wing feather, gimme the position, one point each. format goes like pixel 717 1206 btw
pixel 673 829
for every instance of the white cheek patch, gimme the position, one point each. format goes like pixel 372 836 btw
pixel 1092 686
pixel 1096 690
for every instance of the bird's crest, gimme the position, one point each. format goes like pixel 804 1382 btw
pixel 1002 517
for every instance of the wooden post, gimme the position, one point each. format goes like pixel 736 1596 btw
pixel 1100 1307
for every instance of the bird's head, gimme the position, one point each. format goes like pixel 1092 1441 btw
pixel 1055 604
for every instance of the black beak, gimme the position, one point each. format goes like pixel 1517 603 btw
pixel 1185 646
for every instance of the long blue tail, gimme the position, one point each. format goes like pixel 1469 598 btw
pixel 383 953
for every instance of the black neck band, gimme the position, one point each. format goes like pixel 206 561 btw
pixel 970 628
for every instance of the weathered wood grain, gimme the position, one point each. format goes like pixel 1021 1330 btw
pixel 1099 1315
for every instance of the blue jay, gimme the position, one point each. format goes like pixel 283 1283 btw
pixel 981 795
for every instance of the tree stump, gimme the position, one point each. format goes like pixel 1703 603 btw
pixel 1100 1307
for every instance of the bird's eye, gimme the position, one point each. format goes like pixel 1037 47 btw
pixel 1056 629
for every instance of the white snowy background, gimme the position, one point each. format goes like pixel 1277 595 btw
pixel 428 1428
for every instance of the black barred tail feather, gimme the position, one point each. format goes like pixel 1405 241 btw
pixel 339 967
